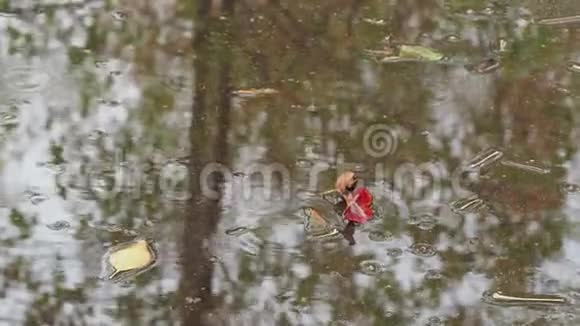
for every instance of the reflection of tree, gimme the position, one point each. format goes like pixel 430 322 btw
pixel 212 67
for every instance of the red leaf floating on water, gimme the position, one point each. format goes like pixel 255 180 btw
pixel 360 211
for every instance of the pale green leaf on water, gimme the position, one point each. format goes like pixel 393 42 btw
pixel 137 255
pixel 418 52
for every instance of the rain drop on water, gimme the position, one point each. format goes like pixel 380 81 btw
pixel 371 267
pixel 423 250
pixel 434 321
pixel 380 236
pixel 433 275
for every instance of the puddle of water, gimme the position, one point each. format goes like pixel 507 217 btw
pixel 298 85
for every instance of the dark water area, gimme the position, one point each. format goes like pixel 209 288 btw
pixel 156 158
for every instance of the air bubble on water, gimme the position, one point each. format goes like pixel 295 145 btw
pixel 304 163
pixel 569 188
pixel 101 64
pixel 452 38
pixel 371 267
pixel 237 231
pixel 8 119
pixel 394 252
pixel 423 250
pixel 96 135
pixel 119 15
pixel 488 11
pixel 35 197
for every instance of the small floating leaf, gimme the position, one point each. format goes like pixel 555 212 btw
pixel 499 297
pixel 485 158
pixel 373 21
pixel 560 20
pixel 485 66
pixel 573 66
pixel 526 167
pixel 134 256
pixel 420 53
pixel 255 92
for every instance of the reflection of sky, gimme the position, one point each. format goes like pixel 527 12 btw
pixel 28 147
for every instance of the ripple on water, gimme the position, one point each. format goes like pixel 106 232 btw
pixel 434 321
pixel 423 250
pixel 433 275
pixel 371 267
pixel 380 236
pixel 26 79
pixel 424 221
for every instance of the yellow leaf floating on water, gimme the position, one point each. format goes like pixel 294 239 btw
pixel 419 52
pixel 412 53
pixel 255 92
pixel 137 255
